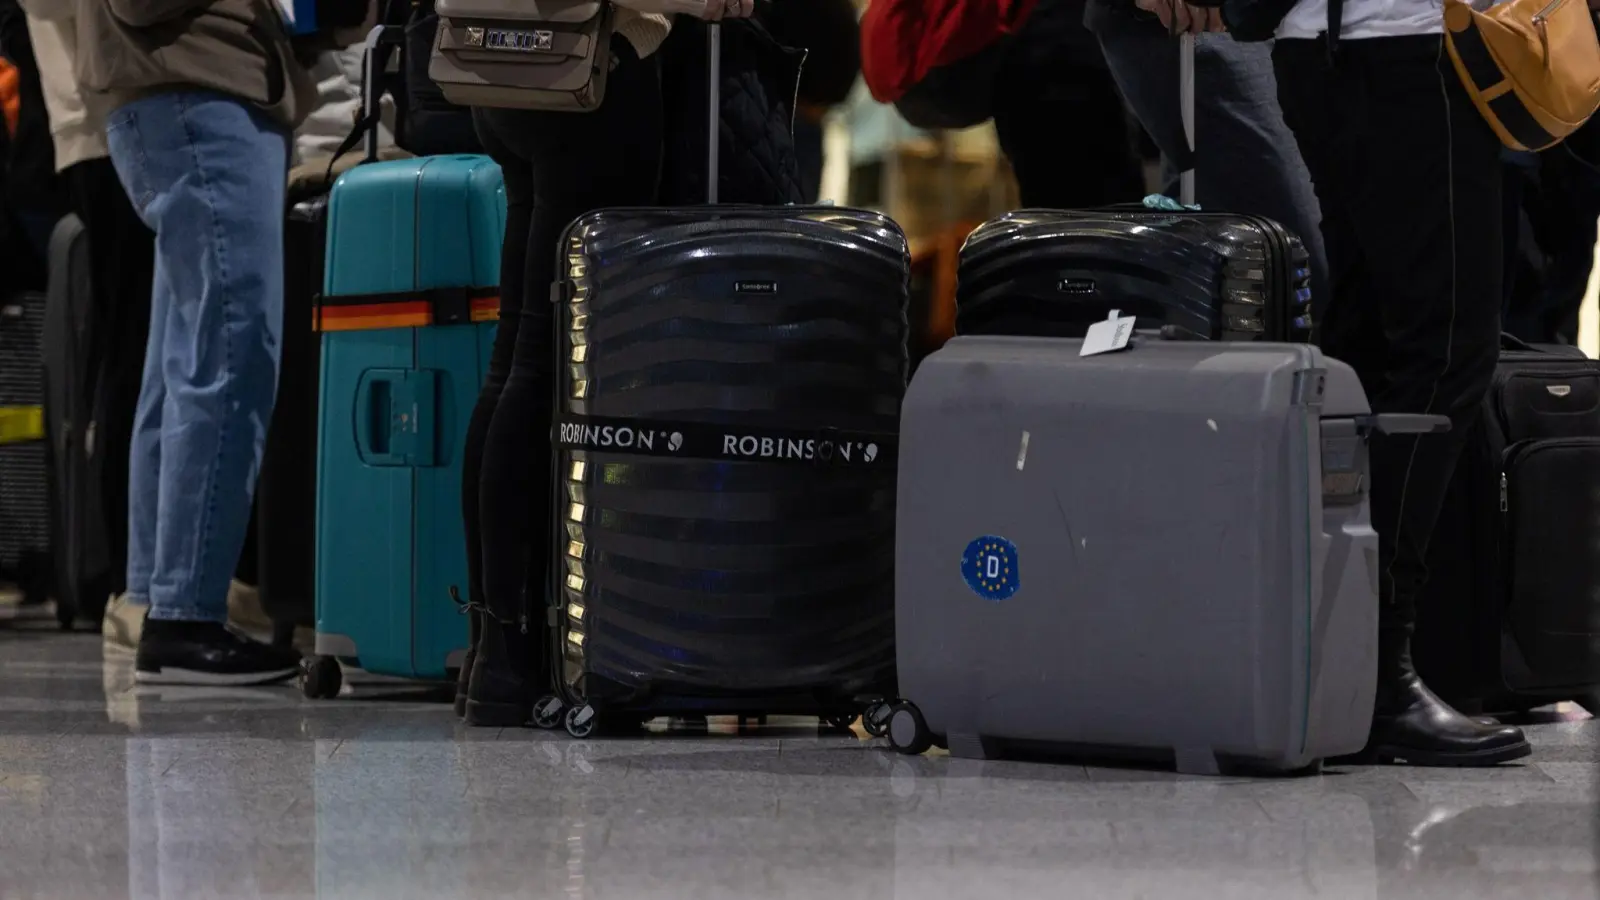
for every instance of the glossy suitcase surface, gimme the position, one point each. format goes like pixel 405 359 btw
pixel 413 255
pixel 1510 617
pixel 742 563
pixel 1220 276
pixel 1135 553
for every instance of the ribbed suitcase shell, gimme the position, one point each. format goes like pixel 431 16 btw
pixel 1181 586
pixel 1221 276
pixel 395 402
pixel 686 584
pixel 24 485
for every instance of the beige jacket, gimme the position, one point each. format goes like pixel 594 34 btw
pixel 79 132
pixel 128 49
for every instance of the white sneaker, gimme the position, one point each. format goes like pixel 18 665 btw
pixel 122 625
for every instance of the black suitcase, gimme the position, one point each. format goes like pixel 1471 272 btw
pixel 1222 276
pixel 728 392
pixel 25 551
pixel 1510 617
pixel 84 576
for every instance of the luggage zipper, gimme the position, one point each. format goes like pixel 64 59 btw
pixel 1505 493
pixel 1543 14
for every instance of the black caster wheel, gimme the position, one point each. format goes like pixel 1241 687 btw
pixel 581 721
pixel 840 722
pixel 323 678
pixel 908 733
pixel 876 719
pixel 549 713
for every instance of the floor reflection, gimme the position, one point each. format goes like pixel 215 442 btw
pixel 108 789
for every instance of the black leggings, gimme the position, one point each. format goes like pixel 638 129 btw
pixel 557 167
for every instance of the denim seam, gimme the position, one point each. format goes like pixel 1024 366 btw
pixel 218 250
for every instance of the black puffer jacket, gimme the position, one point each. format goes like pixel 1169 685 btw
pixel 433 124
pixel 760 78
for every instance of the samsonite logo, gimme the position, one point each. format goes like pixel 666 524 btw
pixel 601 437
pixel 808 449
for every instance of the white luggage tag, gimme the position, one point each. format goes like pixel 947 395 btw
pixel 1109 336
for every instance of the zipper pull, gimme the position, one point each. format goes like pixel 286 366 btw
pixel 1505 494
pixel 523 619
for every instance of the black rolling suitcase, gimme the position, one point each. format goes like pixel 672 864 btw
pixel 84 571
pixel 1216 275
pixel 1510 617
pixel 729 381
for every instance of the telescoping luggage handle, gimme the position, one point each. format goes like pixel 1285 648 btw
pixel 713 110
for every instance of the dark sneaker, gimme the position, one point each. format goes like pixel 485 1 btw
pixel 207 653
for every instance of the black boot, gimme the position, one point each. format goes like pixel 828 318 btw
pixel 464 679
pixel 501 692
pixel 1412 725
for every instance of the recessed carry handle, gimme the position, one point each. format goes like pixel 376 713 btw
pixel 373 414
pixel 395 417
pixel 1401 423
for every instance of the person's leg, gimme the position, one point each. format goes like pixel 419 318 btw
pixel 123 624
pixel 519 217
pixel 1245 159
pixel 1422 197
pixel 611 157
pixel 207 173
pixel 1087 163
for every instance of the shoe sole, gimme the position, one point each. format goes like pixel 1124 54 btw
pixel 170 675
pixel 497 715
pixel 1400 756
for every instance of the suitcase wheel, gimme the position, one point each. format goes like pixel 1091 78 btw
pixel 876 719
pixel 323 678
pixel 581 721
pixel 908 731
pixel 840 722
pixel 549 713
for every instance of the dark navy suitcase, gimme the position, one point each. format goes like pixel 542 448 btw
pixel 728 389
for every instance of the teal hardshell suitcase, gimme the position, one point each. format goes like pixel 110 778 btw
pixel 408 313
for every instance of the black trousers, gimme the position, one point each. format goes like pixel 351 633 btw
pixel 122 266
pixel 1409 178
pixel 1060 118
pixel 557 167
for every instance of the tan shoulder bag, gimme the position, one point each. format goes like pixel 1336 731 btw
pixel 1532 67
pixel 523 54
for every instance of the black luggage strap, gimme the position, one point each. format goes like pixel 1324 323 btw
pixel 406 309
pixel 827 447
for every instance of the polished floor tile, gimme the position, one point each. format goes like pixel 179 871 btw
pixel 111 790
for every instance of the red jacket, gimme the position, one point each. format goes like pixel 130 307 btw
pixel 903 40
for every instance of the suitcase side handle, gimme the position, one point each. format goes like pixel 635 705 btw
pixel 1401 423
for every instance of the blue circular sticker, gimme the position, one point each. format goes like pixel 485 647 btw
pixel 990 568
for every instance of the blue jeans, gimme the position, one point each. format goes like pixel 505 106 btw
pixel 207 174
pixel 1245 159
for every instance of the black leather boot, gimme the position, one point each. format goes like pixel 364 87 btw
pixel 501 688
pixel 464 679
pixel 1413 726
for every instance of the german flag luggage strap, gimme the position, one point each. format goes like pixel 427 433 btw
pixel 406 309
